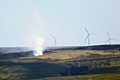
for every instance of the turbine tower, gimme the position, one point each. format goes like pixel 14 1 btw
pixel 55 37
pixel 45 39
pixel 88 36
pixel 109 38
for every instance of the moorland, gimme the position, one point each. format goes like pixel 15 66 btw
pixel 101 62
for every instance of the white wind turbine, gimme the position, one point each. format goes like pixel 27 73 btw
pixel 55 39
pixel 109 39
pixel 88 36
pixel 45 39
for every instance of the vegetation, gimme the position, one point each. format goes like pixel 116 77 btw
pixel 86 77
pixel 13 70
pixel 87 64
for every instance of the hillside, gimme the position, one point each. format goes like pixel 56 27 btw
pixel 64 52
pixel 69 54
pixel 93 47
pixel 65 61
pixel 13 49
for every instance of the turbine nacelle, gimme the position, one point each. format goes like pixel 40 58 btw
pixel 88 36
pixel 109 39
pixel 55 37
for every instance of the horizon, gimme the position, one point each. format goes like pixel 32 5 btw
pixel 61 46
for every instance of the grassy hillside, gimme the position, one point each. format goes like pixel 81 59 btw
pixel 86 77
pixel 59 63
pixel 21 71
pixel 69 54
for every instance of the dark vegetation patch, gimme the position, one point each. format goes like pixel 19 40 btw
pixel 31 70
pixel 15 55
pixel 74 71
pixel 103 70
pixel 94 47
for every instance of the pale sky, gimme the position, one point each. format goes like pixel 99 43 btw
pixel 22 19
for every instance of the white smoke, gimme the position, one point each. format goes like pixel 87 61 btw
pixel 38 45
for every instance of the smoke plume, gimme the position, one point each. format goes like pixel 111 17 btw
pixel 38 45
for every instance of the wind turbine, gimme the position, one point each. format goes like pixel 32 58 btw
pixel 88 36
pixel 55 37
pixel 45 39
pixel 109 38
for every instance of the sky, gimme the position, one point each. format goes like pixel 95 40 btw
pixel 20 20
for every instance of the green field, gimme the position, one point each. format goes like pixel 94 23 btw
pixel 84 65
pixel 86 77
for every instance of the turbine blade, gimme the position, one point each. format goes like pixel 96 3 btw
pixel 86 30
pixel 86 37
pixel 108 34
pixel 113 39
pixel 93 34
pixel 52 36
pixel 107 40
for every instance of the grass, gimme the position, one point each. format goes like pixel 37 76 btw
pixel 86 77
pixel 68 54
pixel 101 70
pixel 51 65
pixel 29 70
